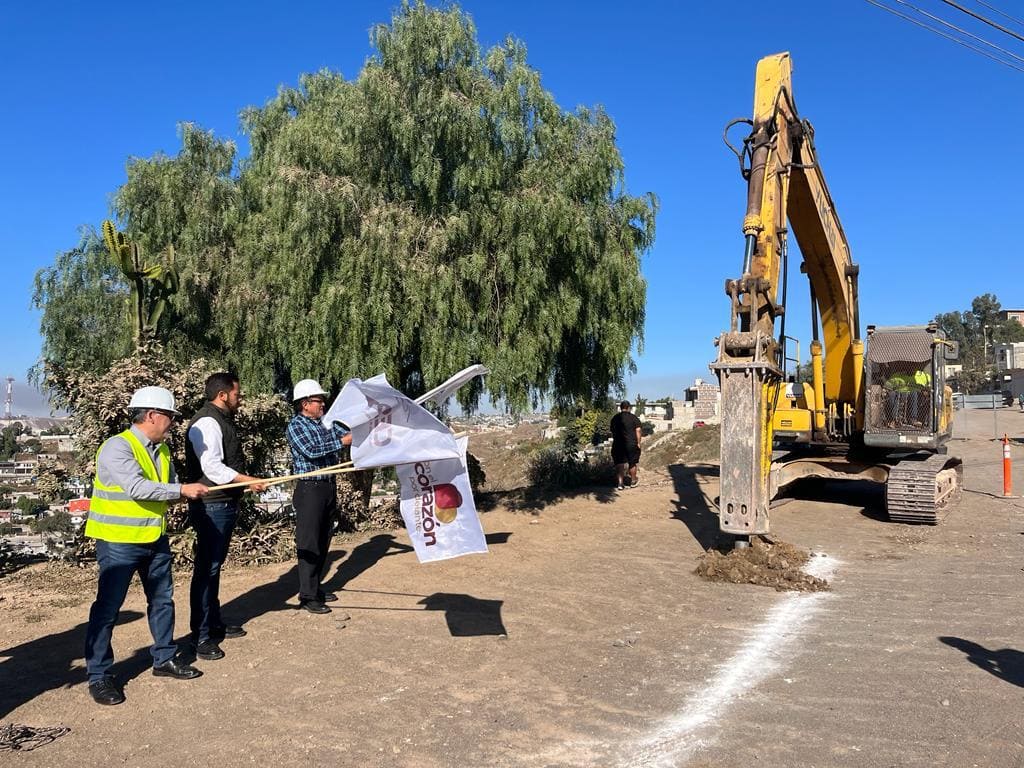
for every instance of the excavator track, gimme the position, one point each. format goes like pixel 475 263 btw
pixel 922 488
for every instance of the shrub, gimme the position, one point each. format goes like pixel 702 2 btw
pixel 557 469
pixel 57 523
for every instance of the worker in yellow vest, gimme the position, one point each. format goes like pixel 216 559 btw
pixel 134 483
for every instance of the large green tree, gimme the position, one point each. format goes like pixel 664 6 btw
pixel 440 209
pixel 976 330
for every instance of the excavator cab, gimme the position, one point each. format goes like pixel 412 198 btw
pixel 907 404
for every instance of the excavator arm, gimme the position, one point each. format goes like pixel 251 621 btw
pixel 785 183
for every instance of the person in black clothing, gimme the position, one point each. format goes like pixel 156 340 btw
pixel 625 443
pixel 314 447
pixel 213 456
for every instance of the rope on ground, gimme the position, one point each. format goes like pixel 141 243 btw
pixel 25 738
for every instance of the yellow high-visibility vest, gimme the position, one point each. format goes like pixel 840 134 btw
pixel 114 516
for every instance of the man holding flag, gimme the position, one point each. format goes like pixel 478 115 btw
pixel 314 447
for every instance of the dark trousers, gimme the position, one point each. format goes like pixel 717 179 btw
pixel 315 506
pixel 213 523
pixel 118 564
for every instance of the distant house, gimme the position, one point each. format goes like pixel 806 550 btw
pixel 700 404
pixel 21 469
pixel 705 400
pixel 78 506
pixel 1009 356
pixel 1012 314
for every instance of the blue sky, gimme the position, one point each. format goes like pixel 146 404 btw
pixel 917 136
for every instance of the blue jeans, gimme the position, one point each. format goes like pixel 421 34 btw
pixel 118 564
pixel 214 523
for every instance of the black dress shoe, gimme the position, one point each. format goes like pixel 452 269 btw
pixel 230 632
pixel 179 670
pixel 209 650
pixel 314 606
pixel 105 691
pixel 328 597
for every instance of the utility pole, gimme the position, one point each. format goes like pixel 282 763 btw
pixel 8 402
pixel 995 380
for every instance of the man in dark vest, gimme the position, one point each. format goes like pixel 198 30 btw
pixel 213 456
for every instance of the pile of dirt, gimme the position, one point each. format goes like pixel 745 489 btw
pixel 765 562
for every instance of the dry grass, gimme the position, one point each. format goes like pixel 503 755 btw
pixel 505 454
pixel 696 446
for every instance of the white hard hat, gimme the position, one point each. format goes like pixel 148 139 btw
pixel 157 398
pixel 307 388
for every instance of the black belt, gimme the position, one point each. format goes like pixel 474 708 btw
pixel 316 480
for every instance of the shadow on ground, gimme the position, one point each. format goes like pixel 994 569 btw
pixel 267 598
pixel 55 661
pixel 533 499
pixel 868 496
pixel 46 663
pixel 693 508
pixel 1006 663
pixel 363 557
pixel 467 616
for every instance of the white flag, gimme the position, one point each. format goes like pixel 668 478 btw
pixel 440 394
pixel 387 427
pixel 438 508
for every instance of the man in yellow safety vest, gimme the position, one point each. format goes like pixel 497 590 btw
pixel 134 483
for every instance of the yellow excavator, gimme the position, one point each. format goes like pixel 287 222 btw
pixel 880 413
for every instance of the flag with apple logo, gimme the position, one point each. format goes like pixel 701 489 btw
pixel 438 508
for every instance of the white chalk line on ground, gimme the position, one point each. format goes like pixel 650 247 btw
pixel 770 647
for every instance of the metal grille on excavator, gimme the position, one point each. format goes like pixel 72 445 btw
pixel 886 347
pixel 899 398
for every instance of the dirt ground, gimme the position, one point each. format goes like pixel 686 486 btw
pixel 583 638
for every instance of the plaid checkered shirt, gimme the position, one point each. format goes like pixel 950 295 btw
pixel 313 445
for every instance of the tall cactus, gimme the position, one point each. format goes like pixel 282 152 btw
pixel 151 285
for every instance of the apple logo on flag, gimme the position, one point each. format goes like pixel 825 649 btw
pixel 447 501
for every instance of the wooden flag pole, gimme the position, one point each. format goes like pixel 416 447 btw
pixel 334 469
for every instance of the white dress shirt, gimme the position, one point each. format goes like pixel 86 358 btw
pixel 208 443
